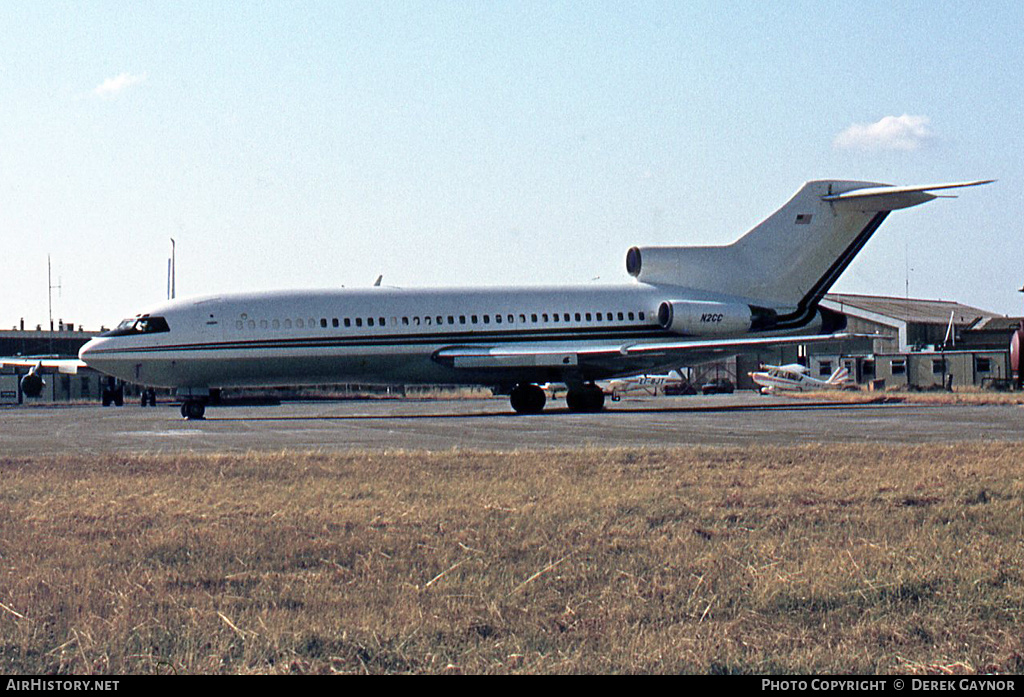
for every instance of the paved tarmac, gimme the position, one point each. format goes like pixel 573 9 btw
pixel 732 420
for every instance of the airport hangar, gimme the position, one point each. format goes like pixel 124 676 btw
pixel 907 348
pixel 910 343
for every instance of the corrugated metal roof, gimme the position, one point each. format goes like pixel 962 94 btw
pixel 998 324
pixel 913 310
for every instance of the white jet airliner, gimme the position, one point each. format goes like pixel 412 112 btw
pixel 688 304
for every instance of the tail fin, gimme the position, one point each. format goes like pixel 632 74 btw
pixel 840 376
pixel 793 257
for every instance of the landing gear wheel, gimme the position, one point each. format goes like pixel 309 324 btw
pixel 193 409
pixel 527 399
pixel 145 398
pixel 586 399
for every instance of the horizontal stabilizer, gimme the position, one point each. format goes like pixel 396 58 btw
pixel 889 198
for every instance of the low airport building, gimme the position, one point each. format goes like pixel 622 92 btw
pixel 63 341
pixel 909 343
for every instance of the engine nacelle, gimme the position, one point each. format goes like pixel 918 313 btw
pixel 696 318
pixel 32 385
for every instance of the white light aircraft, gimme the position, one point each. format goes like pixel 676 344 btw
pixel 688 304
pixel 640 385
pixel 795 378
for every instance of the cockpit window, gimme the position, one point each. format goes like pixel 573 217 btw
pixel 140 325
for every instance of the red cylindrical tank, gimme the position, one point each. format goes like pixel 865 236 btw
pixel 1016 344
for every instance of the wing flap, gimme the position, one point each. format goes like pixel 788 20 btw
pixel 511 356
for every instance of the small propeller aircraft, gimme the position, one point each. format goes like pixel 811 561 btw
pixel 795 378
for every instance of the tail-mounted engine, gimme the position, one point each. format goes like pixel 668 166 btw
pixel 697 318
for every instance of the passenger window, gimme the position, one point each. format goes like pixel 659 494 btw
pixel 299 323
pixel 263 324
pixel 533 318
pixel 323 323
pixel 578 317
pixel 451 319
pixel 545 317
pixel 473 319
pixel 566 316
pixel 369 321
pixel 598 317
pixel 631 315
pixel 620 317
pixel 287 324
pixel 641 315
pixel 252 324
pixel 587 316
pixel 359 321
pixel 238 324
pixel 348 322
pixel 427 320
pixel 334 322
pixel 497 319
pixel 440 320
pixel 487 319
pixel 462 319
pixel 276 324
pixel 405 321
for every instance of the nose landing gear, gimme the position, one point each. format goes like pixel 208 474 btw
pixel 193 409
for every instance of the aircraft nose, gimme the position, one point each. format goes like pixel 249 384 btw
pixel 88 350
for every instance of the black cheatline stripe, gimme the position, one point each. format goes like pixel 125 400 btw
pixel 394 340
pixel 808 304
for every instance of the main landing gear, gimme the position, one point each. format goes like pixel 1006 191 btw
pixel 529 399
pixel 586 399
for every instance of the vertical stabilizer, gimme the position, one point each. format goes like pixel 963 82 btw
pixel 793 257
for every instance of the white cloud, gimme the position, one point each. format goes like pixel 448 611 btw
pixel 114 85
pixel 889 133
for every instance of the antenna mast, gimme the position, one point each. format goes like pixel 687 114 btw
pixel 50 287
pixel 170 273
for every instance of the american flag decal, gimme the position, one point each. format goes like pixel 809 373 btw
pixel 803 219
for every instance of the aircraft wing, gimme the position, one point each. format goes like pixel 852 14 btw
pixel 617 358
pixel 67 366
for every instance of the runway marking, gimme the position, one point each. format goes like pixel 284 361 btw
pixel 812 406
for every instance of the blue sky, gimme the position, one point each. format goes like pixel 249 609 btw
pixel 463 143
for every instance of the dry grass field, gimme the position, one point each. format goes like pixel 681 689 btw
pixel 959 397
pixel 762 560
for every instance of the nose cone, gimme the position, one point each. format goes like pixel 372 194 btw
pixel 94 355
pixel 88 351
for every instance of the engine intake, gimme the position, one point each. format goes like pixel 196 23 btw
pixel 32 385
